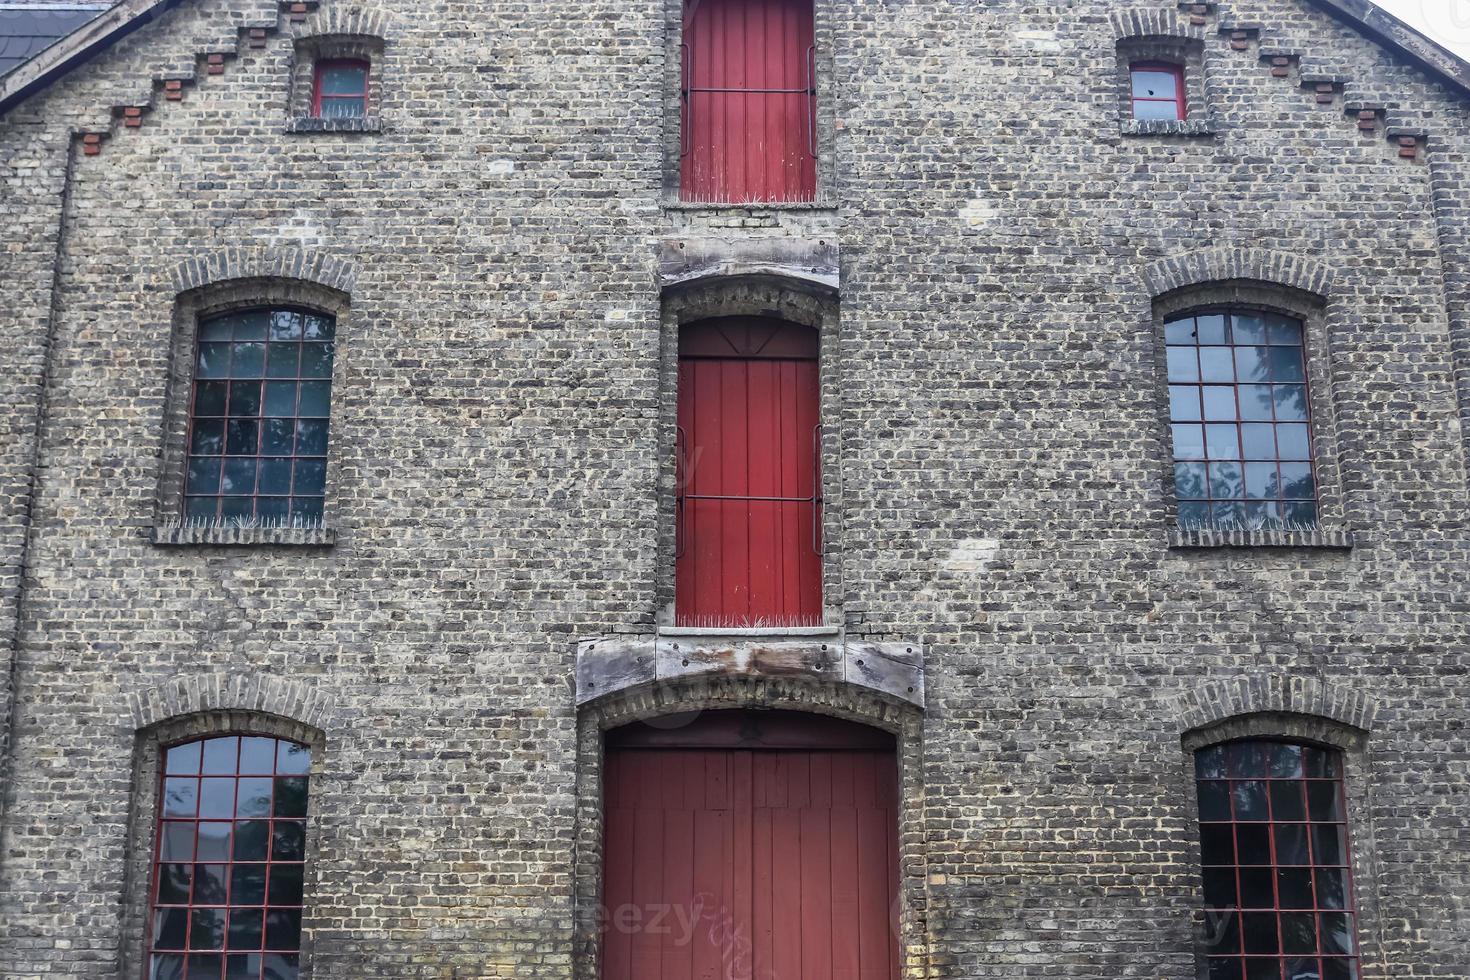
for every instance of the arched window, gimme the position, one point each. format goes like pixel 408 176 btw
pixel 1158 90
pixel 749 101
pixel 229 860
pixel 749 505
pixel 1241 416
pixel 1277 875
pixel 258 418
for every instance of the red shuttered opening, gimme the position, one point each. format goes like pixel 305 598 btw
pixel 749 501
pixel 737 864
pixel 749 101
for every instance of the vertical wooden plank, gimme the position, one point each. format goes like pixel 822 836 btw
pixel 677 898
pixel 843 767
pixel 846 909
pixel 786 896
pixel 821 779
pixel 799 779
pixel 877 952
pixel 733 450
pixel 743 878
pixel 617 888
pixel 768 878
pixel 648 866
pixel 717 780
pixel 711 891
pixel 764 441
pixel 816 894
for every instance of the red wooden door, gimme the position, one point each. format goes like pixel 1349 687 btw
pixel 750 864
pixel 749 126
pixel 749 504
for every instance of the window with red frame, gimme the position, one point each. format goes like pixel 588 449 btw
pixel 340 89
pixel 259 415
pixel 1277 875
pixel 229 860
pixel 1158 91
pixel 1242 420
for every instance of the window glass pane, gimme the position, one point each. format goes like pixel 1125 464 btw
pixel 1211 329
pixel 285 324
pixel 1286 364
pixel 1251 365
pixel 1247 329
pixel 1189 481
pixel 180 797
pixel 1183 364
pixel 204 472
pixel 1219 402
pixel 1292 442
pixel 1184 403
pixel 1150 83
pixel 1180 331
pixel 343 80
pixel 1255 889
pixel 1259 440
pixel 1221 442
pixel 1255 402
pixel 1144 109
pixel 175 882
pixel 1225 481
pixel 209 398
pixel 1216 364
pixel 343 108
pixel 1290 403
pixel 1286 801
pixel 1189 442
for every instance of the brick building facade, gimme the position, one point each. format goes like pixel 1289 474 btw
pixel 1028 239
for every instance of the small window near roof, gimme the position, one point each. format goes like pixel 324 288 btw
pixel 1158 91
pixel 340 89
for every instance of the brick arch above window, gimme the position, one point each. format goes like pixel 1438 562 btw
pixel 1227 264
pixel 214 267
pixel 266 695
pixel 1234 708
pixel 1142 23
pixel 364 20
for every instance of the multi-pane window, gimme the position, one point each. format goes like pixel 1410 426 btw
pixel 1241 418
pixel 749 101
pixel 229 862
pixel 1274 843
pixel 258 420
pixel 1158 91
pixel 340 89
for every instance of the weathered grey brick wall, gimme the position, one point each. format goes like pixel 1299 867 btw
pixel 499 427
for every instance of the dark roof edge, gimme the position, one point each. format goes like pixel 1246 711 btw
pixel 79 47
pixel 1381 26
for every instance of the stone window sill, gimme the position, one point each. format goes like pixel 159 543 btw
pixel 1326 540
pixel 1168 127
pixel 749 631
pixel 313 124
pixel 313 537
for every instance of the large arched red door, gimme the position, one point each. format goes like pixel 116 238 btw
pixel 750 846
pixel 749 502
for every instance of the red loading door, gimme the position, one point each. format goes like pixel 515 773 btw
pixel 749 126
pixel 732 864
pixel 748 509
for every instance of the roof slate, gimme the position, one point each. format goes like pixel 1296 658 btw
pixel 26 31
